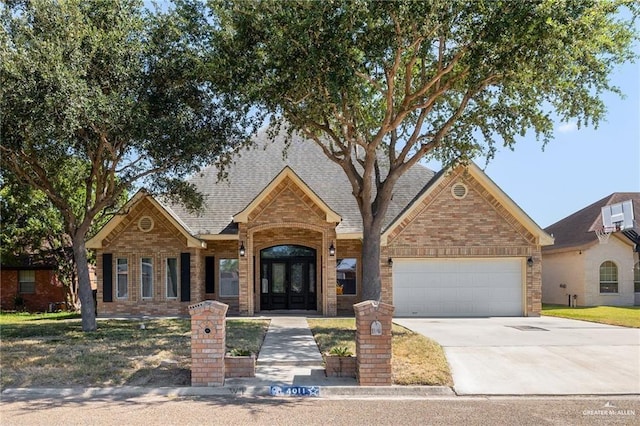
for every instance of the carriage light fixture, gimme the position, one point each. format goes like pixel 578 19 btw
pixel 242 249
pixel 332 249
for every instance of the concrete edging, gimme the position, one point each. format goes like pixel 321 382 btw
pixel 238 390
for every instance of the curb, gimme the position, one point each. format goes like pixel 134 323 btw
pixel 234 391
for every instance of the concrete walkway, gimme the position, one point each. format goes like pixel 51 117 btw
pixel 289 356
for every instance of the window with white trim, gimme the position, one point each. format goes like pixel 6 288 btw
pixel 122 278
pixel 608 277
pixel 146 277
pixel 172 278
pixel 229 278
pixel 26 282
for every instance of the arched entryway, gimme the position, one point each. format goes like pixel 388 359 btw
pixel 288 278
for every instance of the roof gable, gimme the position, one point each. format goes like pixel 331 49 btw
pixel 287 174
pixel 96 241
pixel 254 168
pixel 578 229
pixel 502 201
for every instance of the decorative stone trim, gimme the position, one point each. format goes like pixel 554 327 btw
pixel 146 223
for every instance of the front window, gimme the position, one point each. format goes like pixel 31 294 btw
pixel 172 278
pixel 27 282
pixel 229 282
pixel 636 277
pixel 146 277
pixel 122 278
pixel 346 276
pixel 608 277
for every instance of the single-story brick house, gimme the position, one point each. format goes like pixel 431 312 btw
pixel 285 234
pixel 30 284
pixel 579 266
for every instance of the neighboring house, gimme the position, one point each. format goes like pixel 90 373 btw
pixel 30 285
pixel 579 267
pixel 285 234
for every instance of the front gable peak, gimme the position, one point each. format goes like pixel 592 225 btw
pixel 497 199
pixel 96 242
pixel 287 174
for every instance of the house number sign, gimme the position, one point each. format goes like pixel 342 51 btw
pixel 294 390
pixel 376 328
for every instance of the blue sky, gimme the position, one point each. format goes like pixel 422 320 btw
pixel 578 167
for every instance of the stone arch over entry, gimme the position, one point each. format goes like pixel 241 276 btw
pixel 312 236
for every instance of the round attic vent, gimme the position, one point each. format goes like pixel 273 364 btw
pixel 459 190
pixel 145 224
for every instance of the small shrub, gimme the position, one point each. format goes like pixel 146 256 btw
pixel 239 352
pixel 340 351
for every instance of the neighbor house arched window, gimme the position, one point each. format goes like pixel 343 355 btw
pixel 608 277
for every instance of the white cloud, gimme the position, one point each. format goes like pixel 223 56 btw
pixel 571 126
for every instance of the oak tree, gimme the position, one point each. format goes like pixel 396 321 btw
pixel 380 85
pixel 118 87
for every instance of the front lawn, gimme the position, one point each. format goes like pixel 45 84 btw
pixel 415 360
pixel 39 351
pixel 627 316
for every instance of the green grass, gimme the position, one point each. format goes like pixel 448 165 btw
pixel 416 360
pixel 49 352
pixel 627 316
pixel 14 317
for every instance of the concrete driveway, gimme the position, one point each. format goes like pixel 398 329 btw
pixel 535 356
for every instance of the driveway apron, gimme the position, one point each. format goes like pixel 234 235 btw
pixel 535 356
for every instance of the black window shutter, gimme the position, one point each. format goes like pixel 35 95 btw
pixel 185 277
pixel 107 277
pixel 209 274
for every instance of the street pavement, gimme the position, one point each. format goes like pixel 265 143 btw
pixel 535 356
pixel 186 411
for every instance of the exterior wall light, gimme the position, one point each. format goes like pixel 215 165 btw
pixel 332 249
pixel 390 262
pixel 242 249
pixel 530 262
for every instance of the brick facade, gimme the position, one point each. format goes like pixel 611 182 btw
pixel 47 290
pixel 476 226
pixel 208 343
pixel 373 349
pixel 439 225
pixel 164 241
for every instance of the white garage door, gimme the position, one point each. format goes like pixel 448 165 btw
pixel 458 287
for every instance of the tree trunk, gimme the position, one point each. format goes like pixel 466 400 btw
pixel 87 307
pixel 371 281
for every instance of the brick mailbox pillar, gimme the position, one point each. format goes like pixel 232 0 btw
pixel 208 335
pixel 373 343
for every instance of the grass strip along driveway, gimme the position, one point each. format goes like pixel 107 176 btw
pixel 415 359
pixel 45 351
pixel 626 316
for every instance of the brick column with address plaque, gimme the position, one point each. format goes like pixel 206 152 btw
pixel 208 335
pixel 373 343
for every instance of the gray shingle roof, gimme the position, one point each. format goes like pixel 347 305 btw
pixel 578 229
pixel 254 169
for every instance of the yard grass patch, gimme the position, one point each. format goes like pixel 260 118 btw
pixel 416 360
pixel 627 316
pixel 39 352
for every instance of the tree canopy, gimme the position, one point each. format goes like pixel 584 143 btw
pixel 118 88
pixel 381 85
